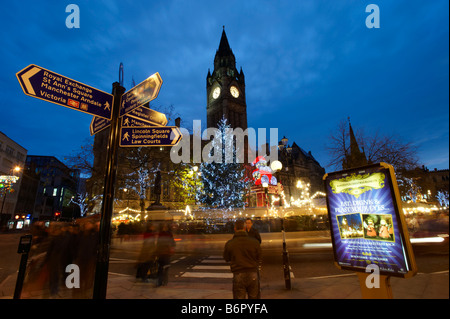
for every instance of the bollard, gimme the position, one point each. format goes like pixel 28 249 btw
pixel 24 249
pixel 286 266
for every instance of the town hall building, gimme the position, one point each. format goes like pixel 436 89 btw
pixel 225 97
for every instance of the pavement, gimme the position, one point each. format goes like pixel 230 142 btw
pixel 345 286
pixel 342 286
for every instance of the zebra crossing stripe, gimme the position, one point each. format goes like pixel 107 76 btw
pixel 212 267
pixel 213 261
pixel 210 263
pixel 207 275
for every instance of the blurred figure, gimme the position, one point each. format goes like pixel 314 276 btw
pixel 147 256
pixel 164 249
pixel 413 224
pixel 56 247
pixel 37 271
pixel 86 257
pixel 52 259
pixel 252 231
pixel 244 253
pixel 59 255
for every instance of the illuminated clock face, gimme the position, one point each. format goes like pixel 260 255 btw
pixel 234 91
pixel 216 93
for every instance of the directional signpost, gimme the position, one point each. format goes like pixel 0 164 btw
pixel 109 111
pixel 149 136
pixel 142 93
pixel 98 124
pixel 148 115
pixel 52 87
pixel 140 116
pixel 102 266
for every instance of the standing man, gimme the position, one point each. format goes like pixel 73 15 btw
pixel 244 254
pixel 252 231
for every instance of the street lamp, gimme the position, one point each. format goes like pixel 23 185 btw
pixel 277 166
pixel 195 175
pixel 128 197
pixel 266 197
pixel 9 180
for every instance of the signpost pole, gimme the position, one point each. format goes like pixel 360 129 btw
pixel 101 271
pixel 35 82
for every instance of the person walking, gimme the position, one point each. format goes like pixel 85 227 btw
pixel 252 231
pixel 244 254
pixel 164 250
pixel 147 256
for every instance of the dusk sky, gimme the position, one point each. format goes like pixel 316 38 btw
pixel 308 65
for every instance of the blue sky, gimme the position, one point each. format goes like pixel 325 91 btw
pixel 307 65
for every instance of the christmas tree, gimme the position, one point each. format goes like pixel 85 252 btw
pixel 223 179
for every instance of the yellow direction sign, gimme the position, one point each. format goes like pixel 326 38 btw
pixel 142 93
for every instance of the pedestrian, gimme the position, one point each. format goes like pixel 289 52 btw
pixel 55 257
pixel 86 257
pixel 244 254
pixel 252 231
pixel 147 256
pixel 164 250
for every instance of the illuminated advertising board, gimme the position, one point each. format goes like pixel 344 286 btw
pixel 366 222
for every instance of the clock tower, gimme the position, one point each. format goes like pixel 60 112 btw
pixel 225 89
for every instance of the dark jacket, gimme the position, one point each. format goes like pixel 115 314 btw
pixel 243 252
pixel 165 244
pixel 253 232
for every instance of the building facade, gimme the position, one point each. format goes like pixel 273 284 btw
pixel 57 185
pixel 225 89
pixel 12 162
pixel 423 184
pixel 225 95
pixel 225 98
pixel 28 192
pixel 299 165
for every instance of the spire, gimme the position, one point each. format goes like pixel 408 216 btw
pixel 353 143
pixel 224 46
pixel 355 157
pixel 224 55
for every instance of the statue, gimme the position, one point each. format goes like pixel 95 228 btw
pixel 157 191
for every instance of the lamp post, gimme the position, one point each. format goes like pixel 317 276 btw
pixel 277 166
pixel 266 197
pixel 128 197
pixel 195 174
